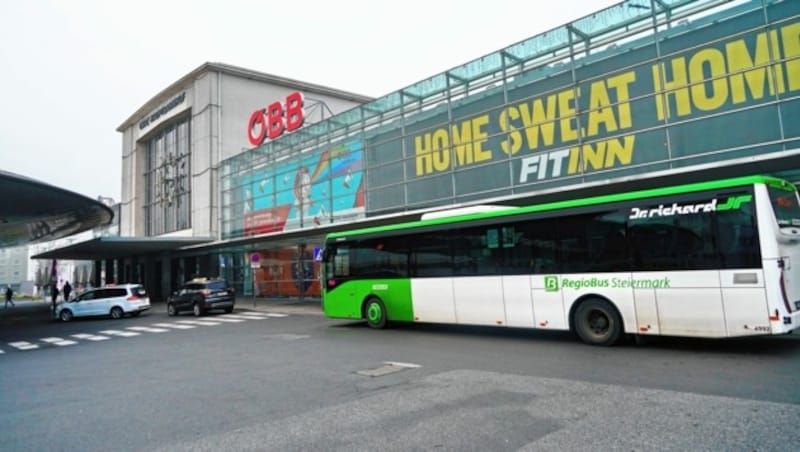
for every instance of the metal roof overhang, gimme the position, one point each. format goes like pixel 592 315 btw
pixel 110 247
pixel 33 211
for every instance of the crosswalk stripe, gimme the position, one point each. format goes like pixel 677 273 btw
pixel 174 325
pixel 147 329
pixel 90 337
pixel 1 352
pixel 120 333
pixel 233 316
pixel 227 320
pixel 22 345
pixel 58 341
pixel 243 317
pixel 275 314
pixel 198 322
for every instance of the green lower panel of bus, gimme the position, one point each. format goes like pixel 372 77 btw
pixel 346 300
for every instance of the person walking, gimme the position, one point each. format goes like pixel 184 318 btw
pixel 66 290
pixel 9 297
pixel 53 297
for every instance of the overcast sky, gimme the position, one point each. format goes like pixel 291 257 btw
pixel 72 71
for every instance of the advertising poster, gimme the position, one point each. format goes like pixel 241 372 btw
pixel 305 192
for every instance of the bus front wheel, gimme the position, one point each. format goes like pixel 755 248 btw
pixel 597 322
pixel 375 313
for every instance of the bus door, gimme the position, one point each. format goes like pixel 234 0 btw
pixel 338 285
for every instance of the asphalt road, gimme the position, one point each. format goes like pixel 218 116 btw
pixel 260 380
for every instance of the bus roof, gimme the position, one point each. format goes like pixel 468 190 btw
pixel 578 202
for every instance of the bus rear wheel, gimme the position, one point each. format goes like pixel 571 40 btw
pixel 597 322
pixel 375 312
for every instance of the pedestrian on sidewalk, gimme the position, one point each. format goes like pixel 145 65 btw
pixel 66 290
pixel 53 297
pixel 9 297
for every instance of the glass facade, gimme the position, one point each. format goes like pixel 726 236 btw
pixel 640 87
pixel 167 179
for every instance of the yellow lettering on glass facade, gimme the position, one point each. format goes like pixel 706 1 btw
pixel 601 112
pixel 675 87
pixel 540 119
pixel 441 150
pixel 512 144
pixel 790 35
pixel 620 83
pixel 601 154
pixel 462 142
pixel 749 73
pixel 711 94
pixel 479 135
pixel 567 113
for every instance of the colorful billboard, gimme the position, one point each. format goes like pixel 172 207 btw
pixel 720 87
pixel 304 191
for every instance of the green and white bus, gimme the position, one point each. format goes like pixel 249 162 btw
pixel 713 259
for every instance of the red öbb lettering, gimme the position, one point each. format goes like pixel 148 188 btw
pixel 277 118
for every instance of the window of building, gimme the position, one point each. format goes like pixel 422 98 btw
pixel 168 179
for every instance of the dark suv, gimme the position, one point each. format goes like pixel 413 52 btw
pixel 201 295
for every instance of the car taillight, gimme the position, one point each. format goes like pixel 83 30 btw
pixel 205 292
pixel 133 297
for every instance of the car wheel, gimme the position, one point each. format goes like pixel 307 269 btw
pixel 228 310
pixel 117 312
pixel 66 315
pixel 375 312
pixel 197 310
pixel 597 322
pixel 172 311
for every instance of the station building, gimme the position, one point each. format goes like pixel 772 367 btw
pixel 241 174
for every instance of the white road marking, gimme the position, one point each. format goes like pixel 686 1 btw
pixel 22 345
pixel 1 352
pixel 276 314
pixel 227 320
pixel 397 364
pixel 147 329
pixel 91 337
pixel 174 325
pixel 119 333
pixel 58 341
pixel 241 317
pixel 198 322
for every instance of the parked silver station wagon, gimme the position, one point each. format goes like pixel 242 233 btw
pixel 115 301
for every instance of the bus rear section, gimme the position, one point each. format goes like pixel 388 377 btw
pixel 780 232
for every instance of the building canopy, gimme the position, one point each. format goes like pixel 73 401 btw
pixel 34 211
pixel 110 247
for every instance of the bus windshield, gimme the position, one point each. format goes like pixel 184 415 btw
pixel 787 211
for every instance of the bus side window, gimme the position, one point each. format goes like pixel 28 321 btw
pixel 737 237
pixel 432 255
pixel 341 261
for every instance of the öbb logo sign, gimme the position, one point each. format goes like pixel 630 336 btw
pixel 277 118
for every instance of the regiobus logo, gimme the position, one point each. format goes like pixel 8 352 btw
pixel 733 203
pixel 551 283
